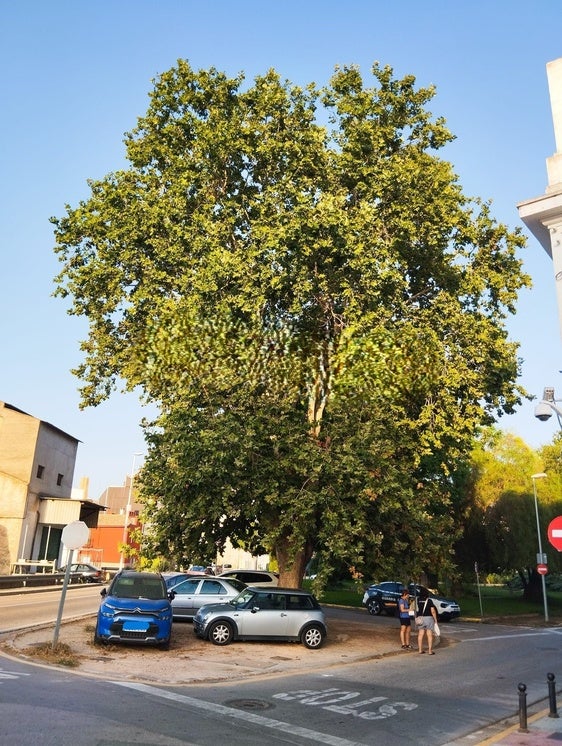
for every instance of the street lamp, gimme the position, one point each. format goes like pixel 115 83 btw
pixel 541 559
pixel 125 538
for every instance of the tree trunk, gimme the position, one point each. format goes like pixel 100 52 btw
pixel 292 565
pixel 532 590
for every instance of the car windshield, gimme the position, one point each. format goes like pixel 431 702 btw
pixel 151 588
pixel 243 598
pixel 423 591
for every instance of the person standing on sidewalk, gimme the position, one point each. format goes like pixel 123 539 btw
pixel 405 619
pixel 428 614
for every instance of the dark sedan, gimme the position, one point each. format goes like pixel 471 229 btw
pixel 84 573
pixel 384 596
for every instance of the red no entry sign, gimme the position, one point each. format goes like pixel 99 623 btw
pixel 555 532
pixel 542 569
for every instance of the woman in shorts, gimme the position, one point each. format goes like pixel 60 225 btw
pixel 405 619
pixel 428 618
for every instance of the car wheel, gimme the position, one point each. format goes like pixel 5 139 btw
pixel 312 637
pixel 374 606
pixel 220 633
pixel 165 645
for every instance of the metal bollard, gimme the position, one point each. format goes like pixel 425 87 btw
pixel 552 695
pixel 522 708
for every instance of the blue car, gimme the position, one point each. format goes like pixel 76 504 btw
pixel 135 608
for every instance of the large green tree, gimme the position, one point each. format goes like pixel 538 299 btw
pixel 500 528
pixel 298 280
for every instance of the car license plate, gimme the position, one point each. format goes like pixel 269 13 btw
pixel 140 625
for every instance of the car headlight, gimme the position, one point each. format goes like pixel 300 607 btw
pixel 107 610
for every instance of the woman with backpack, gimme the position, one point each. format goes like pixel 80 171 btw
pixel 426 620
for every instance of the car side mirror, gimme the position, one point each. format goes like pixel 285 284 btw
pixel 254 609
pixel 103 592
pixel 171 595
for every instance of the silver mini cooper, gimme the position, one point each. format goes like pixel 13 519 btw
pixel 264 613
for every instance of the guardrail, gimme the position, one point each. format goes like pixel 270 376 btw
pixel 29 580
pixel 37 579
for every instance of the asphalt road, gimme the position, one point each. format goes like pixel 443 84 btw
pixel 453 697
pixel 27 608
pixel 443 699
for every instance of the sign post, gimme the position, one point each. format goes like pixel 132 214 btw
pixel 478 584
pixel 541 558
pixel 74 536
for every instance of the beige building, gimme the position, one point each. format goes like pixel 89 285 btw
pixel 117 498
pixel 37 463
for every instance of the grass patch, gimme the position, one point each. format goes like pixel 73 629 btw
pixel 501 601
pixel 60 654
pixel 497 601
pixel 342 597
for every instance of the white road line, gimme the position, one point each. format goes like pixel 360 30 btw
pixel 216 709
pixel 509 637
pixel 458 630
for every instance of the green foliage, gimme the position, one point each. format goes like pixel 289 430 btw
pixel 317 309
pixel 500 517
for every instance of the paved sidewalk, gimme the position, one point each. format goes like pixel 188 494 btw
pixel 541 730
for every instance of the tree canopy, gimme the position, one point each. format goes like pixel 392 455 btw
pixel 500 528
pixel 299 282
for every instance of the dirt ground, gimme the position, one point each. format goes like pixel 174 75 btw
pixel 190 659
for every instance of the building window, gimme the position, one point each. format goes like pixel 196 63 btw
pixel 59 479
pixel 40 470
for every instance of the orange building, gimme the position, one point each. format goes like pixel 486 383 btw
pixel 113 528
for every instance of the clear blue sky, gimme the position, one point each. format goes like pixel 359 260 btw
pixel 76 75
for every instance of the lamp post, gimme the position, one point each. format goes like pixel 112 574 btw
pixel 125 538
pixel 540 556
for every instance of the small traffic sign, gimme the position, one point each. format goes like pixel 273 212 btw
pixel 542 569
pixel 555 532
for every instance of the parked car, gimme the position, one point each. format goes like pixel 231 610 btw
pixel 197 569
pixel 192 593
pixel 252 577
pixel 173 578
pixel 264 613
pixel 384 596
pixel 84 573
pixel 136 608
pixel 447 609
